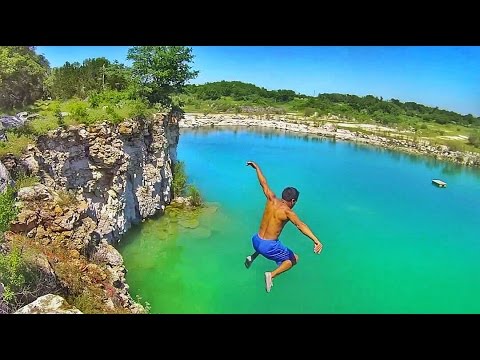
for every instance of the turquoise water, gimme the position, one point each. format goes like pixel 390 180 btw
pixel 393 242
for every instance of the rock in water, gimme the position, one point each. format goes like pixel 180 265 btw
pixel 189 223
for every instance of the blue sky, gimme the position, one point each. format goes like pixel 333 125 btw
pixel 443 76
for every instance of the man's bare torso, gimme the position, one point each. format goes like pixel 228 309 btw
pixel 274 219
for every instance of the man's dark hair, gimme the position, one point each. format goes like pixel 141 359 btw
pixel 290 193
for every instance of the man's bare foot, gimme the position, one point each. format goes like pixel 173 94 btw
pixel 268 281
pixel 248 261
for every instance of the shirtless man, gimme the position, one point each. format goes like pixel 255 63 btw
pixel 276 214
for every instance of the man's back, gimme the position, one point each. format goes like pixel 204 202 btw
pixel 273 220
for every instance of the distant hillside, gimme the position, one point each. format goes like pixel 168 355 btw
pixel 352 106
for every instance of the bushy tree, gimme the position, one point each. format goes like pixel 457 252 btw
pixel 161 71
pixel 22 75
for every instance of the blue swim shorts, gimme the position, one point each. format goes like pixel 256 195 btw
pixel 272 249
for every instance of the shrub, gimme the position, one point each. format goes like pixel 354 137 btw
pixel 78 110
pixel 15 144
pixel 57 112
pixel 309 111
pixel 136 108
pixel 8 210
pixel 113 116
pixel 88 303
pixel 53 105
pixel 474 140
pixel 179 178
pixel 22 277
pixel 14 273
pixel 22 180
pixel 94 100
pixel 194 194
pixel 66 199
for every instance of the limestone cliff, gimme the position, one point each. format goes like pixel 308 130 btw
pixel 96 181
pixel 123 172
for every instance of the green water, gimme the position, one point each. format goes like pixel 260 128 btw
pixel 393 242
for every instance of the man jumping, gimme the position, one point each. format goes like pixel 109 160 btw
pixel 276 214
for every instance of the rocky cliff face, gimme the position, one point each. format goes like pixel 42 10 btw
pixel 123 172
pixel 96 181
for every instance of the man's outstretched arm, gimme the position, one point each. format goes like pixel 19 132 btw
pixel 263 182
pixel 305 230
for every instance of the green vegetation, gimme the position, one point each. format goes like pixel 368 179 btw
pixel 182 188
pixel 66 198
pixel 474 139
pixel 94 91
pixel 15 144
pixel 22 180
pixel 160 71
pixel 22 76
pixel 230 95
pixel 179 178
pixel 14 273
pixel 8 210
pixel 194 194
pixel 22 277
pixel 91 77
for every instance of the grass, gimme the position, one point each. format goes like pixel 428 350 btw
pixel 79 112
pixel 66 199
pixel 15 144
pixel 23 180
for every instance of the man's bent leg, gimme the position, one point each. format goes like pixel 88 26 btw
pixel 284 266
pixel 250 258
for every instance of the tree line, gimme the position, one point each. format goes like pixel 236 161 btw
pixel 157 73
pixel 385 111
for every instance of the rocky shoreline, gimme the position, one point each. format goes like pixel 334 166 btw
pixel 332 131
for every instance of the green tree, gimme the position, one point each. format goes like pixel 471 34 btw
pixel 22 75
pixel 117 76
pixel 161 71
pixel 65 82
pixel 91 77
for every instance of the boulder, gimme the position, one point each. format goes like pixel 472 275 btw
pixel 36 192
pixel 49 304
